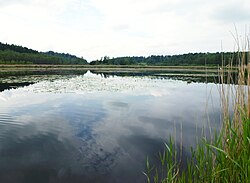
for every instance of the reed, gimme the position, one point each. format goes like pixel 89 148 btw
pixel 226 156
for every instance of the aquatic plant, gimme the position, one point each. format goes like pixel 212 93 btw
pixel 225 157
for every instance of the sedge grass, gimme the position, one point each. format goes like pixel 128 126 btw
pixel 226 156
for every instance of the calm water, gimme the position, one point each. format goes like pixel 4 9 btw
pixel 96 128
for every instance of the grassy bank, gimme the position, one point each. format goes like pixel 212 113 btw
pixel 224 157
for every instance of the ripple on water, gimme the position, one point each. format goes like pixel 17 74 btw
pixel 8 120
pixel 7 124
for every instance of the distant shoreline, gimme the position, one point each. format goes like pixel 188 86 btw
pixel 107 68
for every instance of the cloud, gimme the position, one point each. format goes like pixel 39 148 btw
pixel 121 27
pixel 94 28
pixel 233 12
pixel 9 2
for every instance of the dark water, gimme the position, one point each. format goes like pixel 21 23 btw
pixel 96 128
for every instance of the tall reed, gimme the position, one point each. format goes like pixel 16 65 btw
pixel 226 156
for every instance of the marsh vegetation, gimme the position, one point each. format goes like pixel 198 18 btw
pixel 222 156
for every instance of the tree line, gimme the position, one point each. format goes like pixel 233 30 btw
pixel 172 60
pixel 13 54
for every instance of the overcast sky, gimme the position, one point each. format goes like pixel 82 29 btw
pixel 95 28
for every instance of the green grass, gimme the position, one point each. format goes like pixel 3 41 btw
pixel 221 160
pixel 224 158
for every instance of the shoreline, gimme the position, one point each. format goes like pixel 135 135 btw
pixel 110 68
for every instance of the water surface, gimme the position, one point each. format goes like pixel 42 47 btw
pixel 86 127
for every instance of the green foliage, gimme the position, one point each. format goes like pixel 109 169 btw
pixel 174 60
pixel 212 161
pixel 12 54
pixel 225 157
pixel 15 48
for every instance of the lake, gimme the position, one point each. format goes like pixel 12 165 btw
pixel 98 126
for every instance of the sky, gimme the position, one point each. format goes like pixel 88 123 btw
pixel 95 28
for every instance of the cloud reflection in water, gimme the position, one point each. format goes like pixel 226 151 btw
pixel 93 129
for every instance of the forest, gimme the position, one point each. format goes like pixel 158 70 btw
pixel 13 54
pixel 171 60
